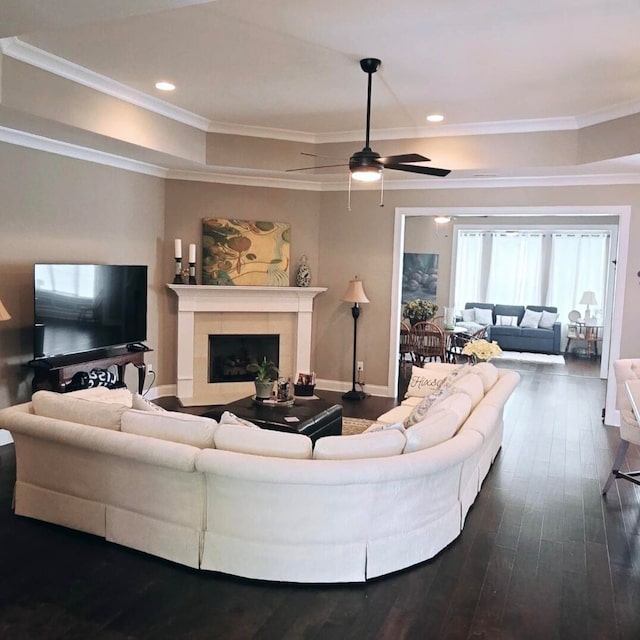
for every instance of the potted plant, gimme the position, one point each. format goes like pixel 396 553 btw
pixel 266 374
pixel 419 310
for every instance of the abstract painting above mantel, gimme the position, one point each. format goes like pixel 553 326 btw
pixel 244 252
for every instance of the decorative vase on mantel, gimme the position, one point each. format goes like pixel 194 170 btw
pixel 303 276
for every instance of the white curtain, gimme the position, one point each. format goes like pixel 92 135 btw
pixel 532 268
pixel 515 271
pixel 579 263
pixel 468 278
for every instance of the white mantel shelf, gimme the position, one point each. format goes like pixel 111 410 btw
pixel 194 299
pixel 204 297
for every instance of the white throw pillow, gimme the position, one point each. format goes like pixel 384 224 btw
pixel 231 418
pixel 173 426
pixel 483 316
pixel 507 321
pixel 531 319
pixel 433 430
pixel 424 382
pixel 381 444
pixel 547 320
pixel 488 374
pixel 468 315
pixel 379 426
pixel 61 406
pixel 262 442
pixel 142 404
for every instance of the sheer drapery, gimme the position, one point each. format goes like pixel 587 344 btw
pixel 578 264
pixel 515 271
pixel 468 278
pixel 532 268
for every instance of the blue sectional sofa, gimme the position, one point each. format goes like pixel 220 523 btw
pixel 516 338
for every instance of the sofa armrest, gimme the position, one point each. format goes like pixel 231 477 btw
pixel 557 330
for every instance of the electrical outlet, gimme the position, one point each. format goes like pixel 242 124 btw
pixel 149 368
pixel 360 365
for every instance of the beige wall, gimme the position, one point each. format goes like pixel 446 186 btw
pixel 56 209
pixel 59 209
pixel 361 242
pixel 187 203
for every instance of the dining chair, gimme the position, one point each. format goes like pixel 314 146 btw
pixel 405 343
pixel 428 343
pixel 457 342
pixel 624 370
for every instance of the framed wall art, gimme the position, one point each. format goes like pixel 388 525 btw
pixel 245 252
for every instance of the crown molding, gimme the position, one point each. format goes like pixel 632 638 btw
pixel 275 179
pixel 49 145
pixel 24 52
pixel 15 48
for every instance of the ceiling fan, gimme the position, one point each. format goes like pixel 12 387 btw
pixel 367 165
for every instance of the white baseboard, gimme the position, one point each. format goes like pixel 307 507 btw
pixel 338 385
pixel 161 391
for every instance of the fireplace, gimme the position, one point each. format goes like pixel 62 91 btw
pixel 207 310
pixel 230 354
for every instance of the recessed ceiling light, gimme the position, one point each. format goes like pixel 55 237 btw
pixel 165 86
pixel 442 219
pixel 435 117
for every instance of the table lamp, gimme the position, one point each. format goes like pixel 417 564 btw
pixel 588 297
pixel 355 293
pixel 4 314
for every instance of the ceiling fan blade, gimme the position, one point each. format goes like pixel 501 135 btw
pixel 407 157
pixel 323 166
pixel 429 171
pixel 316 155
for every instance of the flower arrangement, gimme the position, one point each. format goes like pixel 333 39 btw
pixel 419 310
pixel 481 350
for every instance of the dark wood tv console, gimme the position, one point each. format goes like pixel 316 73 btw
pixel 54 374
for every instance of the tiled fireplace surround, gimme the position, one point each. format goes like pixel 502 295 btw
pixel 205 310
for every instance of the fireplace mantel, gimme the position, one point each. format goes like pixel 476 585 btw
pixel 211 299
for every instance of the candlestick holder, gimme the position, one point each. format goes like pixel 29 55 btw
pixel 178 278
pixel 192 273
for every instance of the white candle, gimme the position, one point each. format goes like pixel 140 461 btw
pixel 192 253
pixel 178 248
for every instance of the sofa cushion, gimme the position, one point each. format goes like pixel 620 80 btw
pixel 106 415
pixel 471 385
pixel 433 430
pixel 120 395
pixel 468 315
pixel 262 442
pixel 488 374
pixel 173 426
pixel 382 426
pixel 531 319
pixel 459 403
pixel 426 381
pixel 547 320
pixel 379 444
pixel 483 316
pixel 420 410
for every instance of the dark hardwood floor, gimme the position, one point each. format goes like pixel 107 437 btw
pixel 542 555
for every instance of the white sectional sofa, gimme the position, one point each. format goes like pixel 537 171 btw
pixel 256 503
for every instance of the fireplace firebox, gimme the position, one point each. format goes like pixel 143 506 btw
pixel 229 355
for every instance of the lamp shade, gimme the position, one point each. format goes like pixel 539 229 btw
pixel 4 314
pixel 588 297
pixel 355 292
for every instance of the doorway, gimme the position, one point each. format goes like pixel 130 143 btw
pixel 619 214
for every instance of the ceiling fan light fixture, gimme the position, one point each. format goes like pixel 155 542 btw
pixel 367 174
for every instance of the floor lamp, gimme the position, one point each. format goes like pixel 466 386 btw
pixel 355 293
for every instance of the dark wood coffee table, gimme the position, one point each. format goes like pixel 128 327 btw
pixel 311 417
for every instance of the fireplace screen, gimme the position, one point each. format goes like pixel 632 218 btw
pixel 229 355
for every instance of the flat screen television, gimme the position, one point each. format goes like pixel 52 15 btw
pixel 84 307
